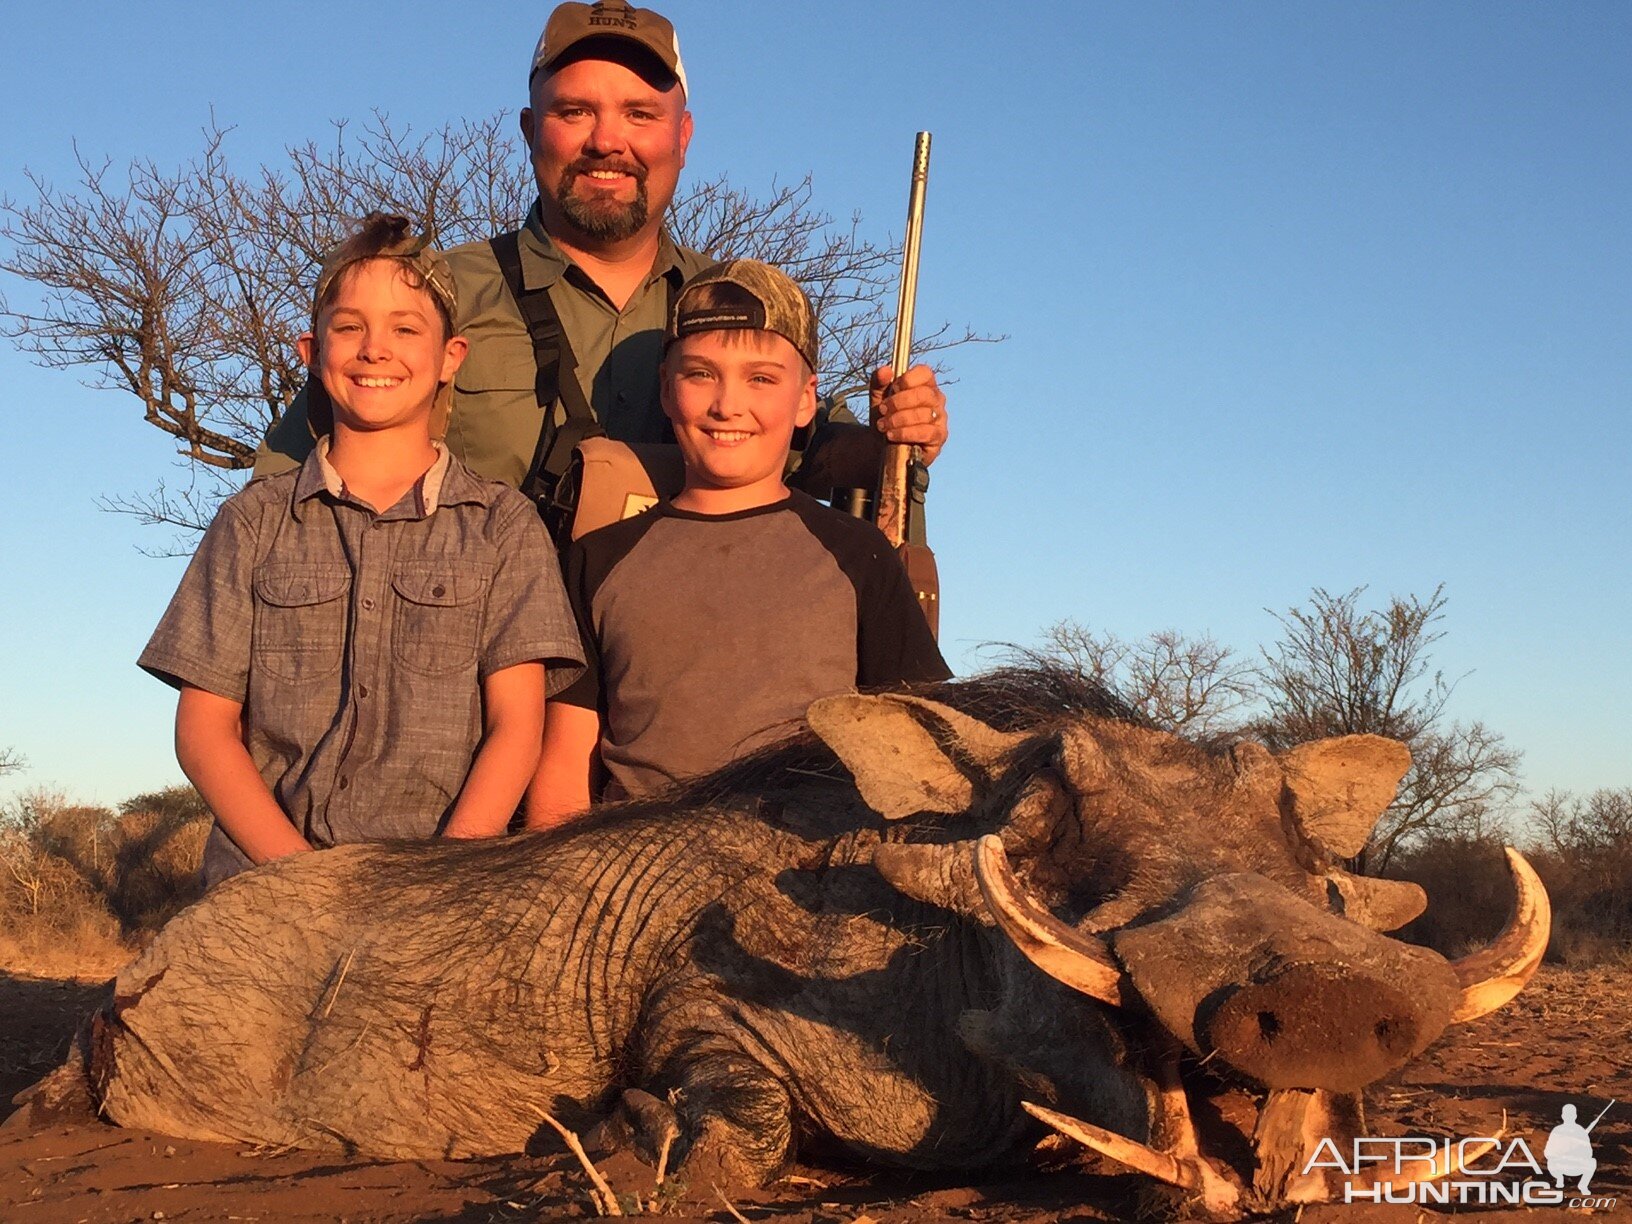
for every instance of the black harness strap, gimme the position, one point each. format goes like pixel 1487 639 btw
pixel 557 377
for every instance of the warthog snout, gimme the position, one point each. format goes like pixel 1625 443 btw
pixel 1286 993
pixel 1316 1026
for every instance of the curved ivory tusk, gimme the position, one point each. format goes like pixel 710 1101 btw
pixel 1220 1198
pixel 1493 975
pixel 1080 961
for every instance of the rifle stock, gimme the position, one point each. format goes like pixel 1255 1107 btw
pixel 893 504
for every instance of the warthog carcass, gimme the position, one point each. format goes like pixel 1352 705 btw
pixel 1058 915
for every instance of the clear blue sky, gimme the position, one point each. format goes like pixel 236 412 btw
pixel 1297 294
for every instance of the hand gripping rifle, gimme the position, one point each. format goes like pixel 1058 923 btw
pixel 903 473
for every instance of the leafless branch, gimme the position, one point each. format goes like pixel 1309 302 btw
pixel 1341 670
pixel 1191 685
pixel 851 280
pixel 186 288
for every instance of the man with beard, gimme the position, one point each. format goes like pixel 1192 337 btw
pixel 565 318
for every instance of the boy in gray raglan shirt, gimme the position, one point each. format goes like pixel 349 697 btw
pixel 708 623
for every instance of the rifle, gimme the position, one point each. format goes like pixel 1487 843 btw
pixel 1599 1118
pixel 903 472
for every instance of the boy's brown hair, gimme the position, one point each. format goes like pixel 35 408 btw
pixel 386 236
pixel 390 236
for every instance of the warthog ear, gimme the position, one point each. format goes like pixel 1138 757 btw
pixel 907 754
pixel 1340 787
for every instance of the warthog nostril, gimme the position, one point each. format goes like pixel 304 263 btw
pixel 1394 1035
pixel 1313 1025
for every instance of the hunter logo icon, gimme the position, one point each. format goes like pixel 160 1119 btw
pixel 617 16
pixel 1569 1149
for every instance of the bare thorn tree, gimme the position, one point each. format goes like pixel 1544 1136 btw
pixel 1341 670
pixel 1581 829
pixel 186 288
pixel 1194 686
pixel 10 761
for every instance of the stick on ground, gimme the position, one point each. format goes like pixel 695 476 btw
pixel 606 1203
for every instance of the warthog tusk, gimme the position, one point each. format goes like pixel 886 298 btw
pixel 1493 975
pixel 1220 1198
pixel 1080 961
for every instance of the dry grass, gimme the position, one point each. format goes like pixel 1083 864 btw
pixel 82 887
pixel 1469 895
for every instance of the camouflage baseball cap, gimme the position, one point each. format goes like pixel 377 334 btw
pixel 571 24
pixel 745 295
pixel 385 236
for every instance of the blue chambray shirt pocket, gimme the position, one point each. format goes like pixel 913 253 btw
pixel 300 620
pixel 437 624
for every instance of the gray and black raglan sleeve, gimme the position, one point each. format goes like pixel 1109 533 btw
pixel 893 643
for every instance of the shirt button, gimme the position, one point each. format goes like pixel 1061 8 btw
pixel 344 782
pixel 362 690
pixel 376 524
pixel 439 590
pixel 368 605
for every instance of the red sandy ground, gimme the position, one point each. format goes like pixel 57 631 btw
pixel 1566 1039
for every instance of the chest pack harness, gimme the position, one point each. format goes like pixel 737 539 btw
pixel 578 478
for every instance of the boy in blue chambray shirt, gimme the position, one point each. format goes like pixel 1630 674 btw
pixel 363 645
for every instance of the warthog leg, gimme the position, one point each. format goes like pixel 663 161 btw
pixel 735 1117
pixel 642 1122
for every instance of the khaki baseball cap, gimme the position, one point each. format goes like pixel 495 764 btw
pixel 385 236
pixel 570 24
pixel 745 295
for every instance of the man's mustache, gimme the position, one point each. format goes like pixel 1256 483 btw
pixel 586 165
